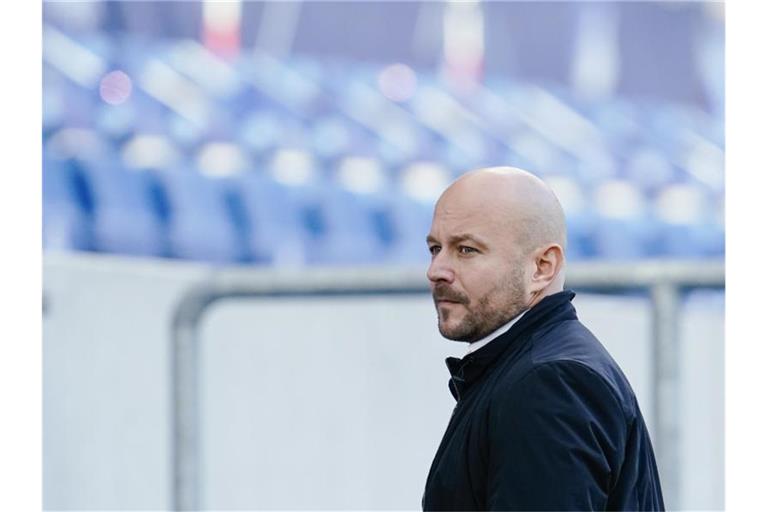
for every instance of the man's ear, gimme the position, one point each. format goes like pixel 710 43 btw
pixel 549 261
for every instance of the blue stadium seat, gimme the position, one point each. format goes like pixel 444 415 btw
pixel 649 169
pixel 580 219
pixel 409 221
pixel 689 221
pixel 260 131
pixel 581 239
pixel 124 220
pixel 311 224
pixel 625 230
pixel 626 239
pixel 337 226
pixel 618 123
pixel 66 224
pixel 200 225
pixel 332 137
pixel 272 223
pixel 692 241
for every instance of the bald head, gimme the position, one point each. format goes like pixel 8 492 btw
pixel 513 201
pixel 497 243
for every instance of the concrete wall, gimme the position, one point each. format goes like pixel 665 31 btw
pixel 327 403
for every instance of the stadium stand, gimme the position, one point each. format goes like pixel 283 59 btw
pixel 160 148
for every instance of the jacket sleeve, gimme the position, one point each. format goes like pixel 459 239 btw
pixel 556 441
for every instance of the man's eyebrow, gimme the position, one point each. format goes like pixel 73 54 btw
pixel 459 238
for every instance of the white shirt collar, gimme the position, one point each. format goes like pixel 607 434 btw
pixel 495 334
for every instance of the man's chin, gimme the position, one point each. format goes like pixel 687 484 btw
pixel 453 334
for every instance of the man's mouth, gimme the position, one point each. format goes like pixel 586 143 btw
pixel 446 301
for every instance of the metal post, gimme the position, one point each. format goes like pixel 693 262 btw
pixel 667 385
pixel 186 457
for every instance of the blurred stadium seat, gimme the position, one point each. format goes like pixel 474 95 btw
pixel 272 225
pixel 124 220
pixel 200 225
pixel 66 225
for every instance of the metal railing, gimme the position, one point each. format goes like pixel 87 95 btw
pixel 664 280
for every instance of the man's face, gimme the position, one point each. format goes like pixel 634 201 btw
pixel 477 275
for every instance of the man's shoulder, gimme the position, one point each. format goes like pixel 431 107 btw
pixel 570 348
pixel 569 340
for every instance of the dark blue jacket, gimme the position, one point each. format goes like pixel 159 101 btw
pixel 544 420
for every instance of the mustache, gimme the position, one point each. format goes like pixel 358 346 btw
pixel 445 292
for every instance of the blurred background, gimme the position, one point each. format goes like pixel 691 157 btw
pixel 188 140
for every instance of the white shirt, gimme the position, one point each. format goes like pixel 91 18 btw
pixel 495 334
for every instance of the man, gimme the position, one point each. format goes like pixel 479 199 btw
pixel 545 419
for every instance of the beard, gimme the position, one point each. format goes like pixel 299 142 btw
pixel 501 304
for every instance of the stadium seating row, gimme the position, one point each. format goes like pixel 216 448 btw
pixel 252 218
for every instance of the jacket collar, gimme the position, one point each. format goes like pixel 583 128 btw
pixel 467 370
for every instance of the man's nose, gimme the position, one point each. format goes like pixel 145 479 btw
pixel 440 270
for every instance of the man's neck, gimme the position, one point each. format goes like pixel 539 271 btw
pixel 475 345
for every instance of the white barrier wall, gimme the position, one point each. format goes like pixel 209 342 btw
pixel 328 403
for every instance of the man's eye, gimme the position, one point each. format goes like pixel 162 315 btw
pixel 434 249
pixel 466 250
